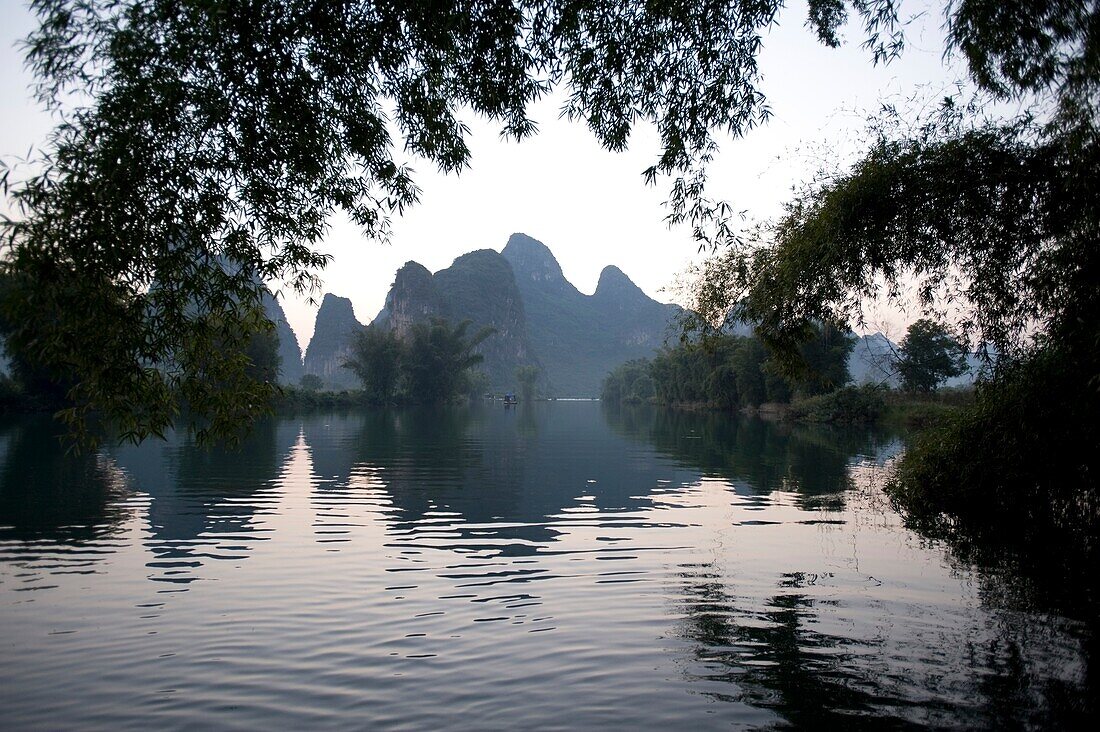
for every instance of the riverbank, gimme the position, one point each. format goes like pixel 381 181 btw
pixel 856 405
pixel 874 405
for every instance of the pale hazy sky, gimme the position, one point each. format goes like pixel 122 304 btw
pixel 590 206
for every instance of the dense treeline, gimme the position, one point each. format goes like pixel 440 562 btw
pixel 433 365
pixel 730 372
pixel 29 385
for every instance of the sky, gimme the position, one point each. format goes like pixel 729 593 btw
pixel 588 205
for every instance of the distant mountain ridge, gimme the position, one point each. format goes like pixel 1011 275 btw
pixel 478 286
pixel 578 337
pixel 539 317
pixel 331 341
pixel 290 353
pixel 873 361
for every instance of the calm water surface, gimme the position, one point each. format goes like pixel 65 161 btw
pixel 554 566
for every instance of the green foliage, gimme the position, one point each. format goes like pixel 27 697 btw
pixel 729 372
pixel 375 359
pixel 990 218
pixel 30 383
pixel 263 355
pixel 310 382
pixel 929 356
pixel 1016 468
pixel 296 398
pixel 824 355
pixel 527 376
pixel 1046 48
pixel 437 359
pixel 477 384
pixel 849 405
pixel 629 384
pixel 434 365
pixel 1003 222
pixel 996 221
pixel 219 131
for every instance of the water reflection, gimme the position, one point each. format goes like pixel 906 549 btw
pixel 49 495
pixel 775 658
pixel 755 456
pixel 504 485
pixel 553 565
pixel 203 502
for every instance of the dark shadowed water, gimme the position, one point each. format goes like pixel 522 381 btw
pixel 554 566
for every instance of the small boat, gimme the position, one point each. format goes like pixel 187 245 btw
pixel 510 399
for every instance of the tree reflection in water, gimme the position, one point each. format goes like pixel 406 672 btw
pixel 50 494
pixel 809 462
pixel 776 657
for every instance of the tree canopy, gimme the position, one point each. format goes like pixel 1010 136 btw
pixel 438 359
pixel 432 365
pixel 993 219
pixel 996 223
pixel 929 356
pixel 730 372
pixel 375 359
pixel 527 375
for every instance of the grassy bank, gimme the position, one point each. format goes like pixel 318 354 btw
pixel 871 404
pixel 851 405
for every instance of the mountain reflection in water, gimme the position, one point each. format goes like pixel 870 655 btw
pixel 557 565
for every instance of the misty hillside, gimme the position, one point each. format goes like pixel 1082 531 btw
pixel 290 353
pixel 539 317
pixel 479 287
pixel 328 349
pixel 873 357
pixel 872 361
pixel 580 338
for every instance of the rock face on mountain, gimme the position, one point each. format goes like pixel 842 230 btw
pixel 412 299
pixel 640 320
pixel 290 353
pixel 328 349
pixel 540 318
pixel 479 287
pixel 580 338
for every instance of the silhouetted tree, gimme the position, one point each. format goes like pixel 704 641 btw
pixel 375 359
pixel 929 356
pixel 438 358
pixel 263 355
pixel 729 372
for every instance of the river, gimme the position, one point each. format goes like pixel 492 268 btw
pixel 554 566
